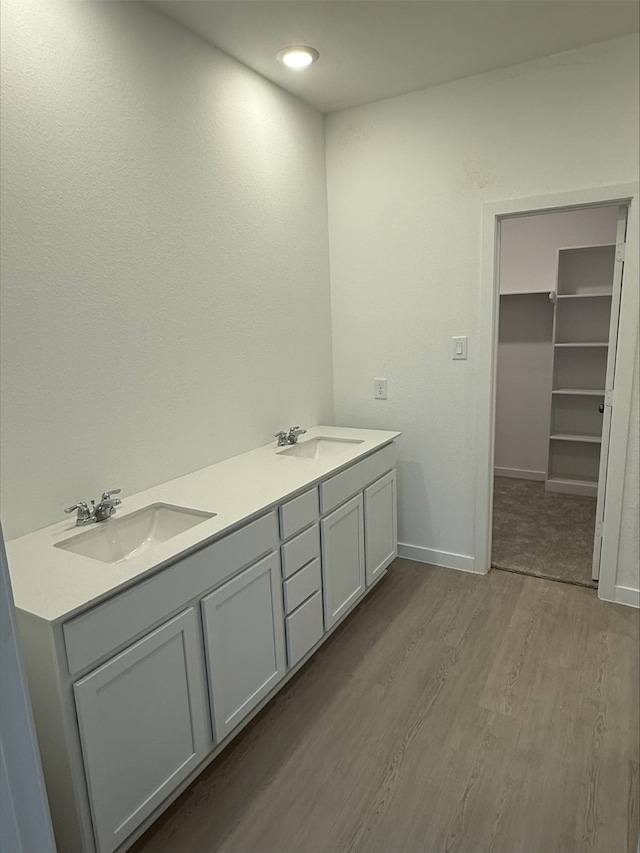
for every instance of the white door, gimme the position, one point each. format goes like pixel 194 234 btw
pixel 143 727
pixel 380 526
pixel 342 559
pixel 25 824
pixel 244 639
pixel 609 390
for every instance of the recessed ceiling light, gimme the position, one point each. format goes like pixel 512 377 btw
pixel 298 56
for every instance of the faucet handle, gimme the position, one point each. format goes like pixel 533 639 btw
pixel 85 515
pixel 81 506
pixel 107 495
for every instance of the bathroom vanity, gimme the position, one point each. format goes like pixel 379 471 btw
pixel 143 665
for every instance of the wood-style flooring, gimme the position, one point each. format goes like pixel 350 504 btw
pixel 450 712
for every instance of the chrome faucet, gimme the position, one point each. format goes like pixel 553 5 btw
pixel 103 511
pixel 284 439
pixel 107 506
pixel 294 433
pixel 85 515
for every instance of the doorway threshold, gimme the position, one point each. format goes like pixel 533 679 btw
pixel 546 577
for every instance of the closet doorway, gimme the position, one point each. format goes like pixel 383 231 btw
pixel 559 285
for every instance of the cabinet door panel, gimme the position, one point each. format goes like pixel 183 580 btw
pixel 244 639
pixel 143 727
pixel 342 559
pixel 380 525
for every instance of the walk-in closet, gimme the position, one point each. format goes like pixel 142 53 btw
pixel 556 348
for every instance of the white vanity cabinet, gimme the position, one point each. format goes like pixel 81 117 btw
pixel 359 537
pixel 136 689
pixel 142 726
pixel 343 571
pixel 244 640
pixel 380 526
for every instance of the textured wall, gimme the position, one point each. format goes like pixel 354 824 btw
pixel 165 296
pixel 407 180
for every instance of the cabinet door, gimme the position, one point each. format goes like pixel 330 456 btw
pixel 380 525
pixel 342 559
pixel 244 640
pixel 143 727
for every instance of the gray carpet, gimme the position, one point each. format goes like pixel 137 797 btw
pixel 541 533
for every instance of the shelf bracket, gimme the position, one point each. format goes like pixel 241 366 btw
pixel 552 297
pixel 620 252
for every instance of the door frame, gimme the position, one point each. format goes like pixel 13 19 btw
pixel 492 214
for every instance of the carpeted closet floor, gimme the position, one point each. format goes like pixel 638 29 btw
pixel 541 533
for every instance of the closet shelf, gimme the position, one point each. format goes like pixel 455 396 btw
pixel 583 344
pixel 567 436
pixel 547 293
pixel 601 295
pixel 583 392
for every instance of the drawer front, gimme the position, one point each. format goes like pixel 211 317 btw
pixel 111 625
pixel 304 629
pixel 299 513
pixel 303 584
pixel 300 551
pixel 341 487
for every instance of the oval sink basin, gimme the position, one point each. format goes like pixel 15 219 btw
pixel 120 539
pixel 320 447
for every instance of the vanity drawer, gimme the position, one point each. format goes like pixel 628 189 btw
pixel 303 584
pixel 341 487
pixel 299 513
pixel 300 551
pixel 113 624
pixel 305 628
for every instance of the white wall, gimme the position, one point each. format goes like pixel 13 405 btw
pixel 529 261
pixel 524 380
pixel 529 244
pixel 407 180
pixel 165 296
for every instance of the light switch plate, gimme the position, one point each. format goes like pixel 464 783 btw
pixel 459 347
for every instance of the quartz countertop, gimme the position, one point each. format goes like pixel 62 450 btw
pixel 54 584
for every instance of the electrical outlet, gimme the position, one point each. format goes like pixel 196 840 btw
pixel 380 389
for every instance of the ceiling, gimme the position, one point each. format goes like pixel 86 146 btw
pixel 373 49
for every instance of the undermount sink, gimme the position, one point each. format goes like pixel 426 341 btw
pixel 120 539
pixel 320 447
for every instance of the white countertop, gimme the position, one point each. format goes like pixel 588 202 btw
pixel 53 584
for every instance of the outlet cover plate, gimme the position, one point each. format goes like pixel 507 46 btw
pixel 380 389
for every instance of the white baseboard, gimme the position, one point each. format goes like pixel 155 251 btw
pixel 520 474
pixel 572 487
pixel 445 559
pixel 627 595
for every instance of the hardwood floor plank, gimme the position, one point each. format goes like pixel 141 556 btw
pixel 451 713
